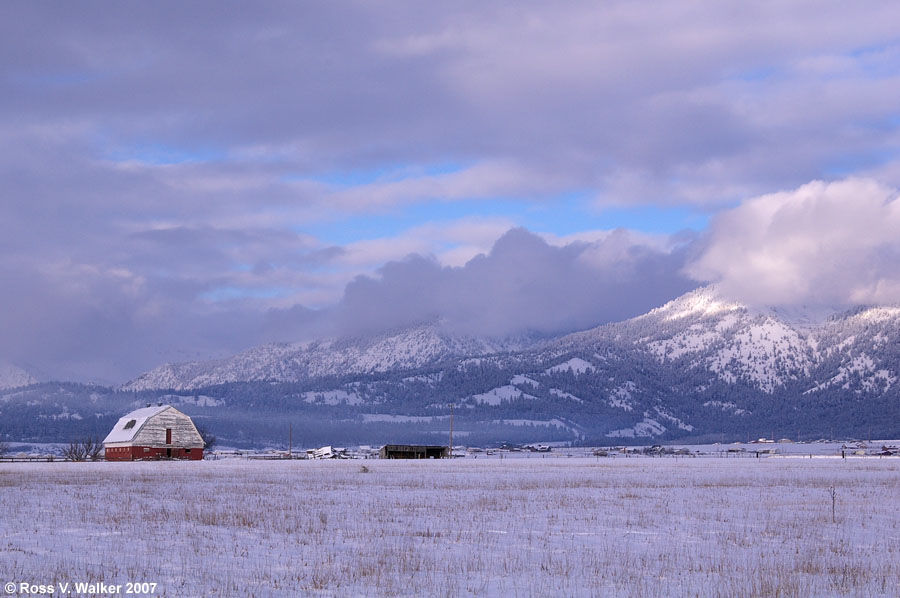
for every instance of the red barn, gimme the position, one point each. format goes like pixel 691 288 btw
pixel 152 433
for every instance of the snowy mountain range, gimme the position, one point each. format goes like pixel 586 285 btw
pixel 770 349
pixel 701 332
pixel 701 367
pixel 403 349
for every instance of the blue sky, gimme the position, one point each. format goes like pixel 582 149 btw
pixel 562 216
pixel 184 180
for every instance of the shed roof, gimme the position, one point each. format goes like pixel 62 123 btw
pixel 122 432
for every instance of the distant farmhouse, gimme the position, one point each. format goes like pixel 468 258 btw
pixel 153 433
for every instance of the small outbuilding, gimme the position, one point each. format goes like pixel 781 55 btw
pixel 414 451
pixel 154 433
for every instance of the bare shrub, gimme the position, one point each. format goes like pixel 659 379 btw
pixel 83 450
pixel 74 451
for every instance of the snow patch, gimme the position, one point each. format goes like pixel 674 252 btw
pixel 702 302
pixel 576 365
pixel 555 423
pixel 198 400
pixel 332 397
pixel 727 322
pixel 621 396
pixel 726 406
pixel 426 378
pixel 668 416
pixel 765 354
pixel 863 368
pixel 564 395
pixel 13 377
pixel 643 429
pixel 64 414
pixel 520 379
pixel 682 344
pixel 403 419
pixel 498 395
pixel 879 314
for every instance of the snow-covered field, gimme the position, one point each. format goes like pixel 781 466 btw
pixel 640 527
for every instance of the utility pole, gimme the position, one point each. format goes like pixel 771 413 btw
pixel 290 441
pixel 451 430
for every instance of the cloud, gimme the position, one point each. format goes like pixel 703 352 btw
pixel 75 322
pixel 481 180
pixel 823 243
pixel 163 164
pixel 523 284
pixel 452 243
pixel 634 102
pixel 141 303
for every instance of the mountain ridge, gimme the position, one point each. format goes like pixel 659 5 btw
pixel 767 347
pixel 405 348
pixel 700 367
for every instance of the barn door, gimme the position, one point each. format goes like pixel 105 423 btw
pixel 168 435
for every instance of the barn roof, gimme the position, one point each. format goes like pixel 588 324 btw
pixel 123 432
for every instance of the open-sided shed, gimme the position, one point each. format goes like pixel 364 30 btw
pixel 414 451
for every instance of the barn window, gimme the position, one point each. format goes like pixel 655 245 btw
pixel 130 424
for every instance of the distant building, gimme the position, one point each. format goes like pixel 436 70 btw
pixel 153 433
pixel 414 451
pixel 329 452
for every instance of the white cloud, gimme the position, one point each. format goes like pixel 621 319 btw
pixel 823 243
pixel 488 179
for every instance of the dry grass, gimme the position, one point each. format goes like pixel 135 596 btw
pixel 637 527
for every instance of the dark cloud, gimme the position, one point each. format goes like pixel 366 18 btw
pixel 523 285
pixel 81 323
pixel 107 326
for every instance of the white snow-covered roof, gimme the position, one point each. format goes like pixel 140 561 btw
pixel 123 432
